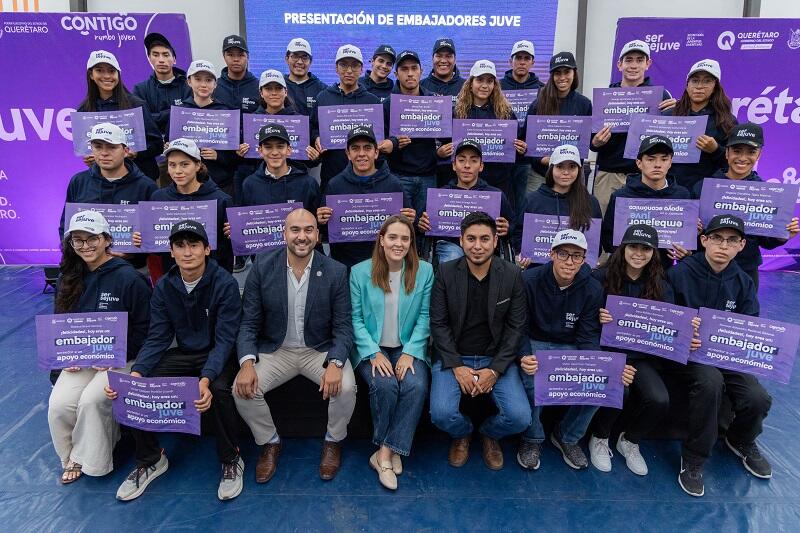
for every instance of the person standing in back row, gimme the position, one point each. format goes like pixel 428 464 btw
pixel 377 80
pixel 237 87
pixel 301 83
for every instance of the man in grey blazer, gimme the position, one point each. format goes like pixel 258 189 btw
pixel 296 321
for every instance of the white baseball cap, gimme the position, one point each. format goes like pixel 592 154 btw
pixel 569 236
pixel 89 221
pixel 482 66
pixel 187 146
pixel 201 65
pixel 635 46
pixel 348 50
pixel 101 56
pixel 271 76
pixel 565 152
pixel 299 45
pixel 107 132
pixel 523 46
pixel 706 65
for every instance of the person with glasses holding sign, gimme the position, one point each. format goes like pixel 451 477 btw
pixel 302 84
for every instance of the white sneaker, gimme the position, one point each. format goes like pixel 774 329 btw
pixel 600 454
pixel 633 458
pixel 231 483
pixel 140 478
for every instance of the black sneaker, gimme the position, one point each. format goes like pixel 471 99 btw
pixel 572 453
pixel 528 454
pixel 753 461
pixel 691 479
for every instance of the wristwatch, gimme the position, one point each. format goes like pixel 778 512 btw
pixel 338 363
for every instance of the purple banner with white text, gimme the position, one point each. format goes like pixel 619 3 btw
pixel 420 117
pixel 164 405
pixel 579 377
pixel 538 232
pixel 335 122
pixel 296 126
pixel 546 133
pixel 614 106
pixel 130 120
pixel 358 217
pixel 123 220
pixel 682 131
pixel 217 129
pixel 157 219
pixel 674 220
pixel 520 102
pixel 82 339
pixel 256 228
pixel 496 137
pixel 446 208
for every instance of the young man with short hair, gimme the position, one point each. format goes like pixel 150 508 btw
pixel 237 87
pixel 520 76
pixel 302 84
pixel 377 80
pixel 444 78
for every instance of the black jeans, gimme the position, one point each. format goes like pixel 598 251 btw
pixel 174 363
pixel 646 403
pixel 706 384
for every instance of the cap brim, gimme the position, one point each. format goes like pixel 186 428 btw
pixel 284 139
pixel 638 241
pixel 652 148
pixel 176 236
pixel 170 150
pixel 738 142
pixel 445 48
pixel 357 137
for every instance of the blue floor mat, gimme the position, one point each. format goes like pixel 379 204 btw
pixel 432 495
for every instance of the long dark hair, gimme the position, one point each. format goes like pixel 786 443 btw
pixel 720 104
pixel 72 270
pixel 580 201
pixel 380 267
pixel 547 99
pixel 652 274
pixel 119 94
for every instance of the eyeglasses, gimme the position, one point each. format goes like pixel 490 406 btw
pixel 300 57
pixel 577 258
pixel 351 68
pixel 719 239
pixel 79 243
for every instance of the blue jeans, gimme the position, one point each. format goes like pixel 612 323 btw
pixel 416 187
pixel 508 394
pixel 396 405
pixel 574 424
pixel 447 251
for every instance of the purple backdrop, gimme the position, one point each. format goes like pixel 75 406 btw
pixel 35 115
pixel 742 46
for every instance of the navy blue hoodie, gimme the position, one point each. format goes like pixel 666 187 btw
pixel 381 90
pixel 208 191
pixel 437 87
pixel 117 286
pixel 568 316
pixel 304 95
pixel 687 174
pixel 610 155
pixel 347 182
pixel 145 159
pixel 416 159
pixel 90 187
pixel 635 188
pixel 205 320
pixel 696 285
pixel 750 257
pixel 506 211
pixel 546 201
pixel 238 94
pixel 508 83
pixel 335 161
pixel 297 186
pixel 160 97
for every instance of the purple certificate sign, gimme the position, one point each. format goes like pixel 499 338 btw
pixel 123 219
pixel 682 131
pixel 546 133
pixel 156 404
pixel 421 117
pixel 748 344
pixel 336 121
pixel 358 217
pixel 258 227
pixel 615 105
pixel 765 207
pixel 674 220
pixel 538 232
pixel 82 339
pixel 157 219
pixel 520 102
pixel 209 128
pixel 655 328
pixel 296 126
pixel 496 138
pixel 579 377
pixel 130 120
pixel 447 207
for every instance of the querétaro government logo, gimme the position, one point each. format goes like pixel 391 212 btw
pixel 794 39
pixel 725 40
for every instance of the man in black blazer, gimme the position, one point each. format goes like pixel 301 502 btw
pixel 478 316
pixel 296 321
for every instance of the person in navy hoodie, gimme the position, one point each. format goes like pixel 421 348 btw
pixel 361 177
pixel 377 80
pixel 742 152
pixel 237 87
pixel 654 183
pixel 92 279
pixel 563 314
pixel 613 168
pixel 191 183
pixel 444 78
pixel 198 305
pixel 105 91
pixel 349 64
pixel 302 84
pixel 712 279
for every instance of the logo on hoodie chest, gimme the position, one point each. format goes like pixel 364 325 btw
pixel 570 319
pixel 177 101
pixel 311 100
pixel 105 299
pixel 730 305
pixel 247 102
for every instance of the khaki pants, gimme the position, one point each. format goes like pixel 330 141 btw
pixel 605 183
pixel 275 369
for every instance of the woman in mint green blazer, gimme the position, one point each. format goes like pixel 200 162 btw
pixel 391 296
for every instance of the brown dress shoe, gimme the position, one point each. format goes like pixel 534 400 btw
pixel 459 451
pixel 265 468
pixel 331 460
pixel 492 453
